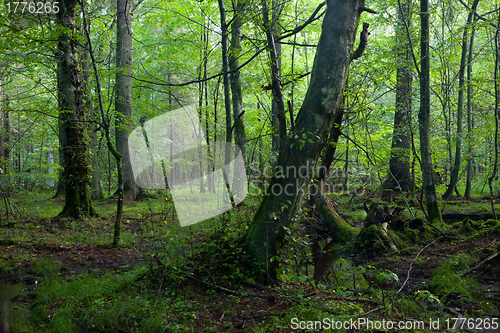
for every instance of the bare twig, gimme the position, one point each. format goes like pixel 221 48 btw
pixel 414 259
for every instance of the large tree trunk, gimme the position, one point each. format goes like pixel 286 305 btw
pixel 123 91
pixel 313 124
pixel 461 88
pixel 72 116
pixel 424 117
pixel 399 176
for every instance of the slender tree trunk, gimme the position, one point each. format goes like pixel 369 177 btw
pixel 72 114
pixel 236 28
pixel 399 176
pixel 92 128
pixel 470 155
pixel 313 124
pixel 237 95
pixel 461 89
pixel 496 115
pixel 278 103
pixel 106 127
pixel 123 93
pixel 424 117
pixel 227 93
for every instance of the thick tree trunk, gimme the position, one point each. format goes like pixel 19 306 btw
pixel 123 91
pixel 424 117
pixel 313 124
pixel 72 115
pixel 399 176
pixel 461 89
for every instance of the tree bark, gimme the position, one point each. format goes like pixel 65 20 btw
pixel 313 124
pixel 461 88
pixel 2 160
pixel 424 117
pixel 399 176
pixel 95 185
pixel 227 93
pixel 470 155
pixel 278 114
pixel 237 95
pixel 123 93
pixel 496 115
pixel 76 172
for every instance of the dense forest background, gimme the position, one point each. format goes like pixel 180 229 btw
pixel 392 107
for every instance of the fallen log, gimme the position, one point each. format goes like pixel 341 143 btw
pixel 475 217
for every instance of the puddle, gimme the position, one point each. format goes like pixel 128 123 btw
pixel 16 295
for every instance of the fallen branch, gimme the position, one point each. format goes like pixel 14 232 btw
pixel 481 264
pixel 414 259
pixel 229 291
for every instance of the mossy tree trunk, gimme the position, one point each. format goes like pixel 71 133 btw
pixel 76 174
pixel 399 176
pixel 313 124
pixel 424 118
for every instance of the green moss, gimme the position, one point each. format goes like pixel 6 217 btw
pixel 492 223
pixel 447 277
pixel 411 235
pixel 373 240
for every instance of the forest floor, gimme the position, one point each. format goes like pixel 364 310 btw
pixel 164 278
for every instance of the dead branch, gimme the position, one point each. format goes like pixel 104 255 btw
pixel 481 264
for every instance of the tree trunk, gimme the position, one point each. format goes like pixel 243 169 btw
pixel 123 91
pixel 424 117
pixel 278 116
pixel 399 176
pixel 2 160
pixel 313 124
pixel 95 185
pixel 496 115
pixel 470 156
pixel 239 126
pixel 461 88
pixel 60 191
pixel 227 93
pixel 76 172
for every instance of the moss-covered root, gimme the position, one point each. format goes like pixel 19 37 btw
pixel 340 230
